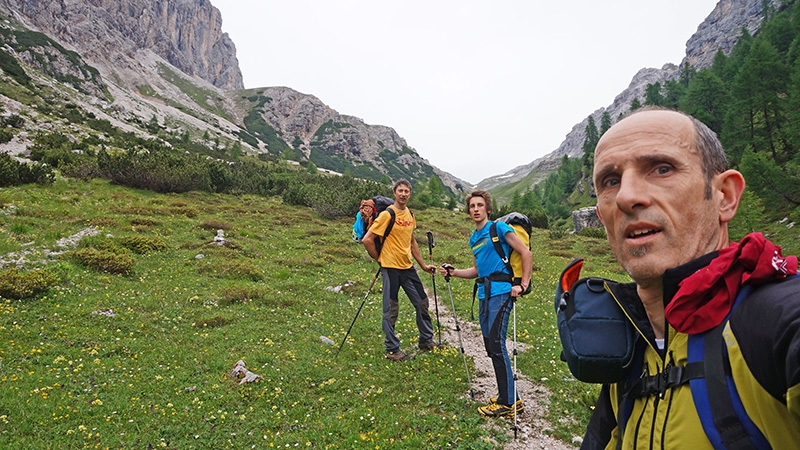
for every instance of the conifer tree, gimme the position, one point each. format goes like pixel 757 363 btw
pixel 706 99
pixel 589 143
pixel 605 123
pixel 687 73
pixel 674 92
pixel 653 96
pixel 436 190
pixel 756 115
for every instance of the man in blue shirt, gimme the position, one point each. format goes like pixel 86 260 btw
pixel 496 295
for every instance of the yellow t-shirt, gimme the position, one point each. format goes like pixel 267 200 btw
pixel 396 252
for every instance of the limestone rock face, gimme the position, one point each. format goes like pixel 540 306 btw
pixel 186 33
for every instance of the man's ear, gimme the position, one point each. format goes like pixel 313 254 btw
pixel 731 186
pixel 599 216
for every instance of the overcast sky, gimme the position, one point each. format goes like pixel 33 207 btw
pixel 475 87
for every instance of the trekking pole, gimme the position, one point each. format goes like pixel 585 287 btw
pixel 432 244
pixel 358 312
pixel 514 394
pixel 458 329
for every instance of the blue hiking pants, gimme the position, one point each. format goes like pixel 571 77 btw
pixel 494 314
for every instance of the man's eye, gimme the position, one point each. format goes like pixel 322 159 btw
pixel 661 170
pixel 610 182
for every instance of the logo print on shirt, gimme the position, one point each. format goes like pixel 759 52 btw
pixel 480 244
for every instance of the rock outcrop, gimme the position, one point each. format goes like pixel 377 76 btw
pixel 585 218
pixel 168 62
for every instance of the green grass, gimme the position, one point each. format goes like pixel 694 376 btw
pixel 156 373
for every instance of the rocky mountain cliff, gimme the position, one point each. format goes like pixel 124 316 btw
pixel 719 31
pixel 113 34
pixel 341 143
pixel 167 62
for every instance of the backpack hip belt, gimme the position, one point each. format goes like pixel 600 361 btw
pixel 487 286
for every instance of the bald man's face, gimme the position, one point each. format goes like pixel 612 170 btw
pixel 651 194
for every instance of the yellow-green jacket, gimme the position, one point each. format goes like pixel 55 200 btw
pixel 763 344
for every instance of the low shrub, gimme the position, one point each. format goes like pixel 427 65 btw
pixel 212 322
pixel 5 135
pixel 235 269
pixel 79 166
pixel 537 217
pixel 215 225
pixel 556 233
pixel 14 173
pixel 145 222
pixel 13 121
pixel 101 242
pixel 596 233
pixel 53 149
pixel 105 261
pixel 563 254
pixel 242 294
pixel 143 244
pixel 104 221
pixel 156 169
pixel 18 284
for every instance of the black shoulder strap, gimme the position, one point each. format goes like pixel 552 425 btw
pixel 474 294
pixel 498 247
pixel 391 222
pixel 379 242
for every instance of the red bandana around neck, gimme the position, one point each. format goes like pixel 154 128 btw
pixel 705 297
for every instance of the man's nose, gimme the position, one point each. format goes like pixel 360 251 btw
pixel 633 193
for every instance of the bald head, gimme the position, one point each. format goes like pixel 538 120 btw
pixel 662 192
pixel 704 140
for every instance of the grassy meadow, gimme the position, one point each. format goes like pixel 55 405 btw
pixel 141 358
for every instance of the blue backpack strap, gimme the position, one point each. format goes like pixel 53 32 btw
pixel 724 419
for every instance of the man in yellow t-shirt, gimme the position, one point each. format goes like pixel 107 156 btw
pixel 398 270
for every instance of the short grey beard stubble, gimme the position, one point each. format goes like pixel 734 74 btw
pixel 639 251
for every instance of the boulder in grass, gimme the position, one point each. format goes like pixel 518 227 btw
pixel 240 372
